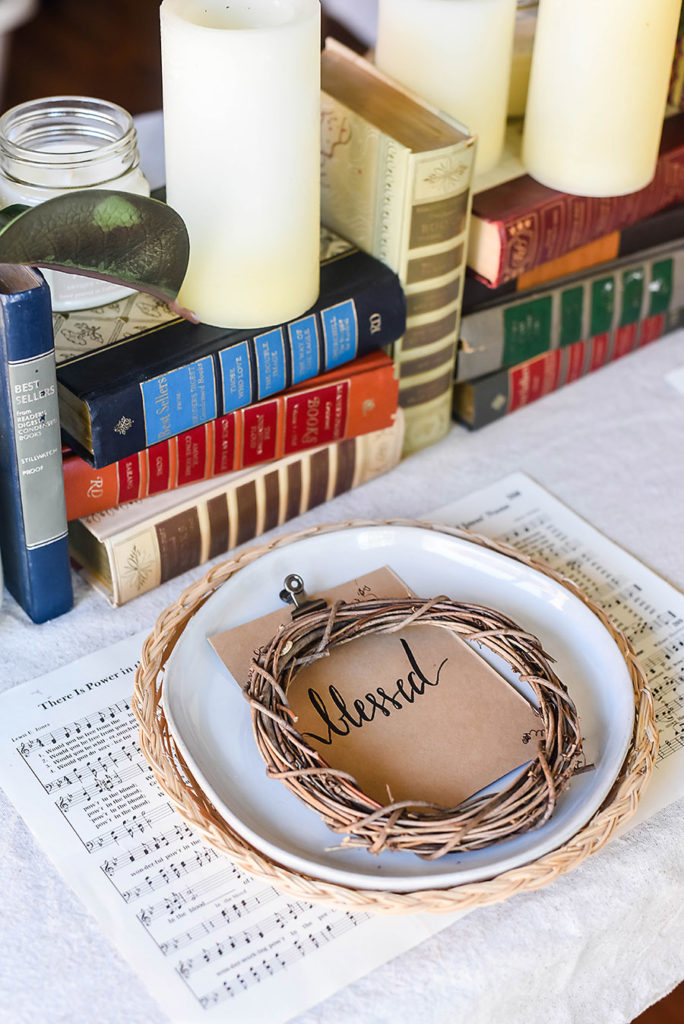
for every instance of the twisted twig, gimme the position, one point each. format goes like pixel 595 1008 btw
pixel 422 828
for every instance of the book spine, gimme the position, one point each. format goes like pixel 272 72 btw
pixel 160 549
pixel 663 226
pixel 33 535
pixel 362 309
pixel 336 407
pixel 411 210
pixel 565 222
pixel 477 294
pixel 480 402
pixel 433 270
pixel 614 295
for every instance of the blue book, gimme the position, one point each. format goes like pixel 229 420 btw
pixel 144 385
pixel 33 526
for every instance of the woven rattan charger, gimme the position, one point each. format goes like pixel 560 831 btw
pixel 175 778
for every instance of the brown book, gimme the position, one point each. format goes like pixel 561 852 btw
pixel 126 551
pixel 519 224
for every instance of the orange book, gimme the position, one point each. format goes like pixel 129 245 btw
pixel 354 399
pixel 590 255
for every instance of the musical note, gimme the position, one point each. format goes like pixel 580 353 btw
pixel 130 828
pixel 657 634
pixel 278 958
pixel 263 929
pixel 225 917
pixel 218 932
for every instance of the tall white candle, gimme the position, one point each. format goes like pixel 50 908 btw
pixel 457 54
pixel 241 98
pixel 597 93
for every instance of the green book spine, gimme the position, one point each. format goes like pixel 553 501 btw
pixel 578 308
pixel 477 403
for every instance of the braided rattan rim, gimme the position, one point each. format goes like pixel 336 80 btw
pixel 174 777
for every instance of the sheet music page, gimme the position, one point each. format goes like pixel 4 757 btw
pixel 210 942
pixel 644 606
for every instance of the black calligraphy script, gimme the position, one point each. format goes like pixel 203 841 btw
pixel 341 719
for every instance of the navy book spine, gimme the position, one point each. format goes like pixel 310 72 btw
pixel 148 388
pixel 33 526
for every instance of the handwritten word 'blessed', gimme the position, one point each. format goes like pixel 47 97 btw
pixel 365 709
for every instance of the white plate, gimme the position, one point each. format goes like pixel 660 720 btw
pixel 209 718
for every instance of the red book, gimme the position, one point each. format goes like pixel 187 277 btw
pixel 520 224
pixel 354 399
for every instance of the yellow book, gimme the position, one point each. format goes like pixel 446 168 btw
pixel 396 180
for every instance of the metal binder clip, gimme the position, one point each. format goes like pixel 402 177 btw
pixel 293 593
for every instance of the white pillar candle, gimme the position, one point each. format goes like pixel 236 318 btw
pixel 241 98
pixel 456 54
pixel 598 87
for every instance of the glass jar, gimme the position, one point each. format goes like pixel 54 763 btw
pixel 53 146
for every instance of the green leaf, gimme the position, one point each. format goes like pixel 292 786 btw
pixel 116 236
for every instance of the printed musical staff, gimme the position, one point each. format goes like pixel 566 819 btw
pixel 155 844
pixel 207 931
pixel 656 634
pixel 131 828
pixel 119 764
pixel 209 925
pixel 262 930
pixel 278 960
pixel 527 518
pixel 197 909
pixel 113 717
pixel 166 875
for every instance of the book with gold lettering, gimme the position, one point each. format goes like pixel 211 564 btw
pixel 519 224
pixel 131 374
pixel 396 180
pixel 357 398
pixel 482 401
pixel 612 297
pixel 129 550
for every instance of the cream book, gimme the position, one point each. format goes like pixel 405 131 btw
pixel 126 551
pixel 396 180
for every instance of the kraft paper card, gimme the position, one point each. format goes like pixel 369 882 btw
pixel 236 647
pixel 414 715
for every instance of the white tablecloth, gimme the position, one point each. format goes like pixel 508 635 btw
pixel 601 943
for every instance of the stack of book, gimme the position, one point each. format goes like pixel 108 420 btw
pixel 559 285
pixel 156 411
pixel 186 440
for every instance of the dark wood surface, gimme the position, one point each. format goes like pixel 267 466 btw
pixel 110 49
pixel 104 48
